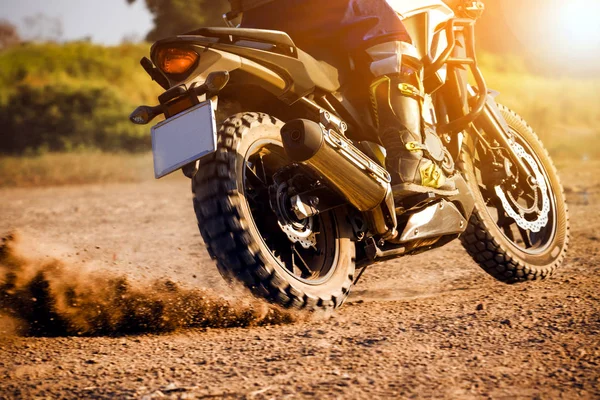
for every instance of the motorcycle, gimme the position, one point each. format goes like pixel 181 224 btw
pixel 291 192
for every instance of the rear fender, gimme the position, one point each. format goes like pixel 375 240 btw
pixel 212 60
pixel 286 77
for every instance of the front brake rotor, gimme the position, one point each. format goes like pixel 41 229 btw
pixel 518 212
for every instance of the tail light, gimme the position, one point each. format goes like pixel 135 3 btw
pixel 176 61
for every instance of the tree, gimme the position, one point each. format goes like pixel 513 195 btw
pixel 172 17
pixel 8 35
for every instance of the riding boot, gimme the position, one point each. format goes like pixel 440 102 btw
pixel 415 153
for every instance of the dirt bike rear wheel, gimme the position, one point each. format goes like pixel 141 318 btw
pixel 501 236
pixel 242 233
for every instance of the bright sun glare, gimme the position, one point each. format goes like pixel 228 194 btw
pixel 579 25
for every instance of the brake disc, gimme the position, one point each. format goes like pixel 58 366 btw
pixel 305 237
pixel 297 231
pixel 518 213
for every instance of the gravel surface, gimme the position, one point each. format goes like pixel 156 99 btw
pixel 428 326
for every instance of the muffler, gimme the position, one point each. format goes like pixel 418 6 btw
pixel 347 170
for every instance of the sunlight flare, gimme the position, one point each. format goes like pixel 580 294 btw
pixel 577 25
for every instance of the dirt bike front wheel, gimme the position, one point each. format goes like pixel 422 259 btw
pixel 519 230
pixel 302 264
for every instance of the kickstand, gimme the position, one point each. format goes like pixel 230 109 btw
pixel 360 274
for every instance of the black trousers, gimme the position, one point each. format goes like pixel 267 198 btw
pixel 337 27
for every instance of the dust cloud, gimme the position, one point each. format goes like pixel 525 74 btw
pixel 51 298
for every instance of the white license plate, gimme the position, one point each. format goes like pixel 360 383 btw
pixel 184 138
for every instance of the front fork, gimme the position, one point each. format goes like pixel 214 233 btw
pixel 497 129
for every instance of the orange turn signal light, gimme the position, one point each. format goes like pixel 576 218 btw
pixel 176 61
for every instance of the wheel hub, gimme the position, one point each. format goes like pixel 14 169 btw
pixel 538 183
pixel 297 231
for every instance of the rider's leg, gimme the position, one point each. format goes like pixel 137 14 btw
pixel 414 151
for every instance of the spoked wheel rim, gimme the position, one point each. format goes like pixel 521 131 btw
pixel 526 215
pixel 313 265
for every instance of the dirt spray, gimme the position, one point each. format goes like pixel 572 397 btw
pixel 51 298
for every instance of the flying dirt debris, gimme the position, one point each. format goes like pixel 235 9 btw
pixel 51 298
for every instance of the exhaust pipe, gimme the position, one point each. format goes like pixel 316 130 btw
pixel 354 175
pixel 357 178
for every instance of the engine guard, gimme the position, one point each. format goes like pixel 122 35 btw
pixel 446 217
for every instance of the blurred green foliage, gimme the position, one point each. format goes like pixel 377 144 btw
pixel 549 104
pixel 72 96
pixel 65 118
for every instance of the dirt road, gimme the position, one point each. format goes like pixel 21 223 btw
pixel 430 326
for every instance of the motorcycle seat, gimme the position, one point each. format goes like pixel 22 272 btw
pixel 324 75
pixel 318 73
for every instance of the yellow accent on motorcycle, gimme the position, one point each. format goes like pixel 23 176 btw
pixel 410 90
pixel 432 176
pixel 414 146
pixel 176 61
pixel 373 89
